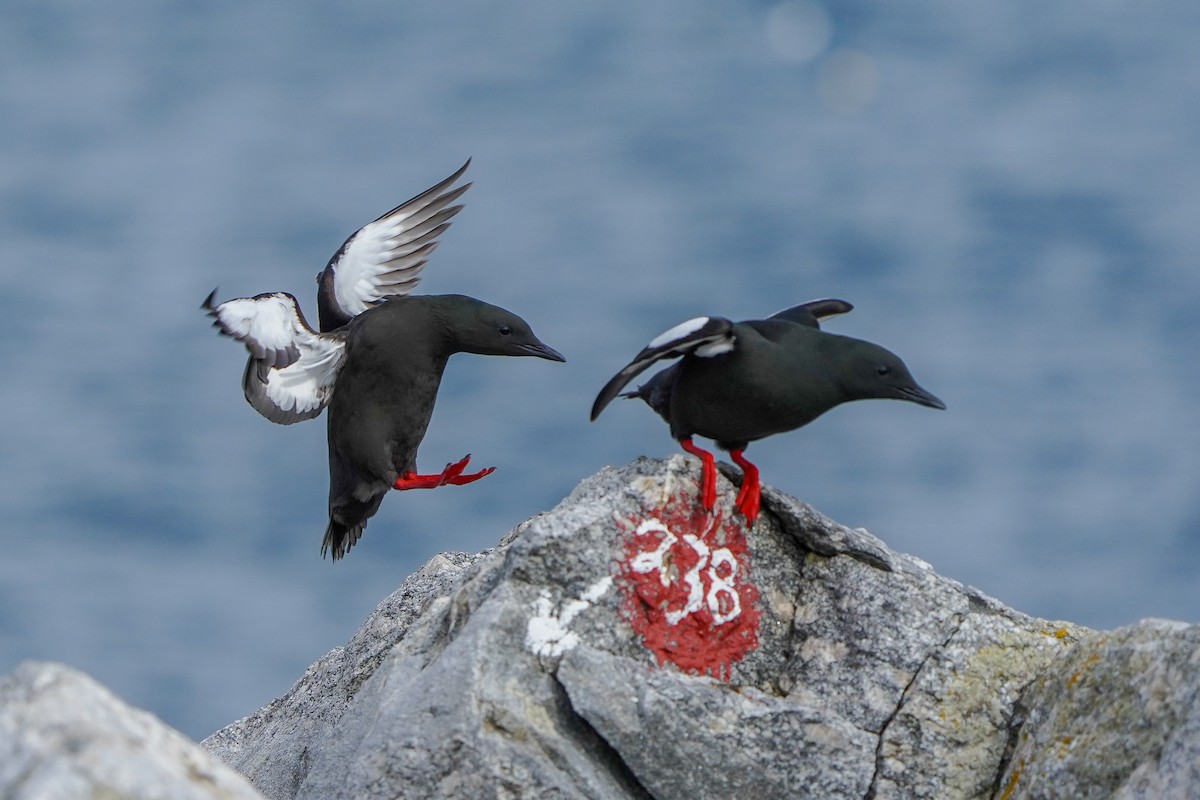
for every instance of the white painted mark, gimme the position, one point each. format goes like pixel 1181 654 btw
pixel 706 582
pixel 547 632
pixel 723 585
pixel 651 560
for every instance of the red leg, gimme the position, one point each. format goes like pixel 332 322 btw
pixel 749 497
pixel 708 473
pixel 411 480
pixel 452 475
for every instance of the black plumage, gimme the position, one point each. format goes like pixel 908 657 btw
pixel 737 382
pixel 377 362
pixel 385 394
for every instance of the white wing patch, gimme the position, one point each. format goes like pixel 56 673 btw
pixel 292 369
pixel 716 348
pixel 301 390
pixel 384 258
pixel 680 331
pixel 265 324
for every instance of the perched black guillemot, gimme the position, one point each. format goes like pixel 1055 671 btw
pixel 738 382
pixel 378 360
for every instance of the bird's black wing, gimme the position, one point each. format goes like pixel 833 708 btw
pixel 290 374
pixel 814 312
pixel 384 258
pixel 706 336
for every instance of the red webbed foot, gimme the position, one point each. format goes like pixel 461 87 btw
pixel 708 473
pixel 750 495
pixel 452 475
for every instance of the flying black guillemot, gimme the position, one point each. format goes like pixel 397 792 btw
pixel 738 382
pixel 377 361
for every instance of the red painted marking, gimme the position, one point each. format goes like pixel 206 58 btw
pixel 684 576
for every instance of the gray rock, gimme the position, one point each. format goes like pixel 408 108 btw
pixel 63 736
pixel 821 664
pixel 689 737
pixel 274 745
pixel 1118 715
pixel 624 645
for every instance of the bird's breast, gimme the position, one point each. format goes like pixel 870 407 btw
pixel 381 408
pixel 747 396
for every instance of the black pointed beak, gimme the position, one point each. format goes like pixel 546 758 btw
pixel 540 350
pixel 915 394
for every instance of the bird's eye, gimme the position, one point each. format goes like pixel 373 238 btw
pixel 883 370
pixel 505 330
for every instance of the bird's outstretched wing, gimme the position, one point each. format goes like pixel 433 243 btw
pixel 814 312
pixel 291 370
pixel 705 336
pixel 384 258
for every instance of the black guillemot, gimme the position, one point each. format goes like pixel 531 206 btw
pixel 377 361
pixel 737 382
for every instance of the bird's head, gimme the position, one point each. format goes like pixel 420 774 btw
pixel 868 371
pixel 489 330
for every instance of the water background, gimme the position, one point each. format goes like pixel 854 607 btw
pixel 1009 193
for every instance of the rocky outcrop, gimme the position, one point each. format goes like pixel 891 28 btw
pixel 625 645
pixel 1117 715
pixel 622 645
pixel 63 737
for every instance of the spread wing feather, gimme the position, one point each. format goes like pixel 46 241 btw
pixel 291 371
pixel 384 258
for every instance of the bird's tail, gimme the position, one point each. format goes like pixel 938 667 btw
pixel 656 392
pixel 346 524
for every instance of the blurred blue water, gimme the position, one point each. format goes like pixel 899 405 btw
pixel 1009 195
